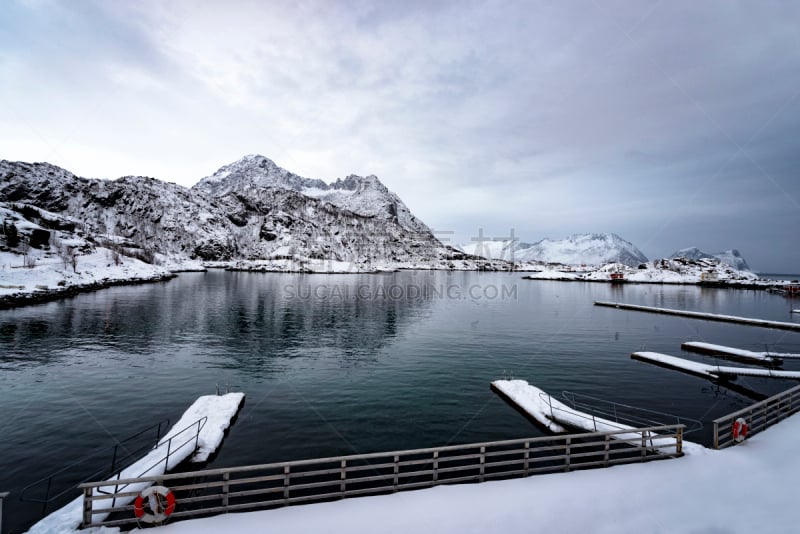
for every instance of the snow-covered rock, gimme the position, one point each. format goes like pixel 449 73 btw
pixel 731 257
pixel 248 211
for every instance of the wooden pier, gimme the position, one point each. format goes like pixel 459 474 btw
pixel 702 315
pixel 555 416
pixel 730 353
pixel 712 372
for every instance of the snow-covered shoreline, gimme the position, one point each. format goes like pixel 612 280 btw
pixel 676 271
pixel 50 280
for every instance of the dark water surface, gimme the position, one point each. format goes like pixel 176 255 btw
pixel 347 364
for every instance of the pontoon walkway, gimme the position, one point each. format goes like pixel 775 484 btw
pixel 713 372
pixel 702 315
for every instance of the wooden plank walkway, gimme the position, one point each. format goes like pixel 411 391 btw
pixel 712 372
pixel 702 315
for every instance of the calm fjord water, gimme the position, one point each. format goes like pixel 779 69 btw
pixel 345 364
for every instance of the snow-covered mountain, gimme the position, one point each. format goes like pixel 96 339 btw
pixel 248 210
pixel 365 196
pixel 729 257
pixel 577 249
pixel 590 249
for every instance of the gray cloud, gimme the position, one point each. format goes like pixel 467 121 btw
pixel 672 124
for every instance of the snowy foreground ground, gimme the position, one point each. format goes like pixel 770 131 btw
pixel 747 488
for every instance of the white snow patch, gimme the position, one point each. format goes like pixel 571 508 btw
pixel 533 400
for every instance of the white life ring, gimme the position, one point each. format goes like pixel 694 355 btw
pixel 739 430
pixel 159 511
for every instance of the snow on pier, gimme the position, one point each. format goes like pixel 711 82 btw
pixel 748 356
pixel 703 315
pixel 211 414
pixel 556 416
pixel 712 372
pixel 530 400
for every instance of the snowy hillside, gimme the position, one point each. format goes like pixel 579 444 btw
pixel 248 211
pixel 730 257
pixel 43 254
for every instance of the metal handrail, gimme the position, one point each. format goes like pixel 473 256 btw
pixel 200 423
pixel 116 459
pixel 625 413
pixel 301 481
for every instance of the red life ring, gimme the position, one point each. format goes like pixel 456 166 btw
pixel 158 511
pixel 739 430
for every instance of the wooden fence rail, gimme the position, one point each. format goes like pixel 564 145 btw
pixel 758 416
pixel 232 489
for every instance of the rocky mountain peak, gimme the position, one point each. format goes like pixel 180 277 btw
pixel 354 182
pixel 253 171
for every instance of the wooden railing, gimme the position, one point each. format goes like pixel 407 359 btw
pixel 758 416
pixel 281 484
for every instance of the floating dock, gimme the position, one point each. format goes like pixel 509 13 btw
pixel 712 372
pixel 197 434
pixel 729 353
pixel 702 315
pixel 555 416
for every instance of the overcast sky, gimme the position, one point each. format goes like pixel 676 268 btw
pixel 672 123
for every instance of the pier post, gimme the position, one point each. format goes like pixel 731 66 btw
pixel 396 471
pixel 483 463
pixel 605 454
pixel 567 453
pixel 343 482
pixel 679 441
pixel 527 455
pixel 435 467
pixel 226 476
pixel 87 506
pixel 286 485
pixel 644 445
